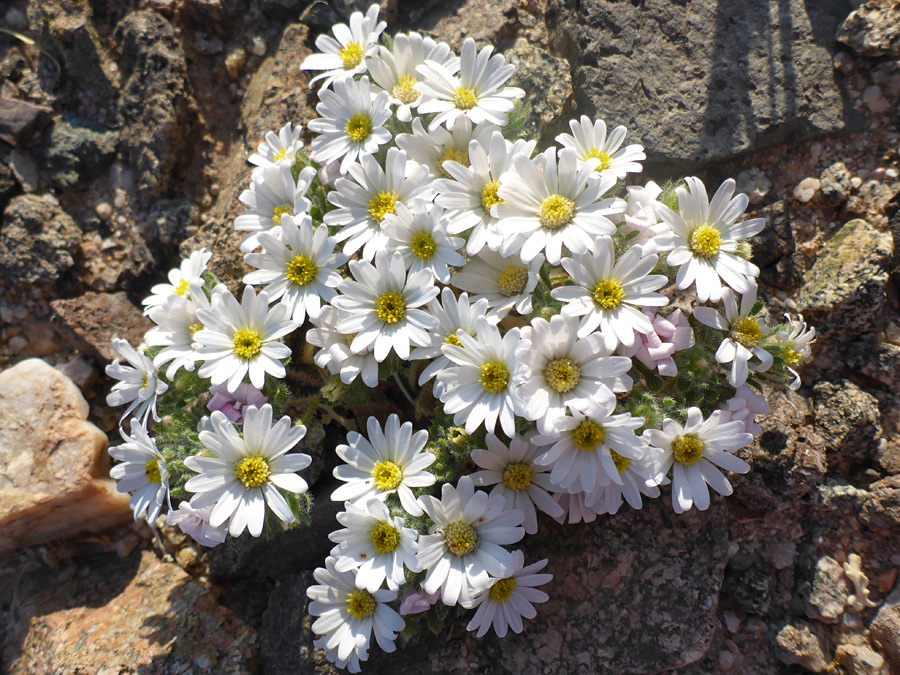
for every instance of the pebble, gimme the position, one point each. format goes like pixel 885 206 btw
pixel 874 99
pixel 877 174
pixel 120 199
pixel 17 344
pixel 104 210
pixel 258 46
pixel 892 173
pixel 726 661
pixel 78 370
pixel 234 62
pixel 806 189
pixel 856 181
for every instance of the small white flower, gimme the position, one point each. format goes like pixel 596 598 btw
pixel 334 353
pixel 241 339
pixel 389 461
pixel 510 598
pixel 696 452
pixel 347 54
pixel 464 546
pixel 432 148
pixel 139 384
pixel 298 267
pixel 654 235
pixel 195 523
pixel 575 510
pixel 420 235
pixel 589 140
pixel 639 477
pixel 506 283
pixel 478 91
pixel 273 195
pixel 247 470
pixel 795 345
pixel 279 149
pixel 143 471
pixel 180 279
pixel 375 544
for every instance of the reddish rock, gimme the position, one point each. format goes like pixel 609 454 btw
pixel 20 120
pixel 94 319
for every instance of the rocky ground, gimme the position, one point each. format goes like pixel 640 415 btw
pixel 124 132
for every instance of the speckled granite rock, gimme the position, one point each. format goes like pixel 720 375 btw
pixel 829 591
pixel 452 22
pixel 874 29
pixel 885 628
pixel 804 644
pixel 92 320
pixel 548 89
pixel 848 419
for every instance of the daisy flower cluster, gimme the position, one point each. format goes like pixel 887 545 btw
pixel 556 339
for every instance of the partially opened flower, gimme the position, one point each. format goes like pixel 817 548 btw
pixel 139 384
pixel 234 404
pixel 278 149
pixel 180 279
pixel 745 405
pixel 143 471
pixel 590 141
pixel 345 53
pixel 655 350
pixel 334 353
pixel 432 148
pixel 795 346
pixel 195 523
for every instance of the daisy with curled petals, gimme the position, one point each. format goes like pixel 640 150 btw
pixel 585 447
pixel 350 124
pixel 472 193
pixel 389 461
pixel 706 239
pixel 506 283
pixel 349 615
pixel 278 149
pixel 334 350
pixel 247 470
pixel 371 195
pixel 139 384
pixel 547 205
pixel 515 477
pixel 273 195
pixel 478 91
pixel 345 53
pixel 510 598
pixel 180 279
pixel 143 471
pixel 561 371
pixel 298 266
pixel 195 523
pixel 375 544
pixel 696 452
pixel 744 335
pixel 794 345
pixel 241 339
pixel 590 141
pixel 639 477
pixel 609 293
pixel 420 235
pixel 480 387
pixel 432 148
pixel 464 547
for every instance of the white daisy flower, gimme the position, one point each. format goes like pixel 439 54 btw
pixel 395 71
pixel 560 371
pixel 380 306
pixel 609 293
pixel 351 123
pixel 575 510
pixel 388 462
pixel 463 548
pixel 279 149
pixel 510 598
pixel 639 477
pixel 589 140
pixel 298 266
pixel 195 524
pixel 585 447
pixel 349 615
pixel 274 195
pixel 371 195
pixel 515 477
pixel 241 339
pixel 654 235
pixel 345 53
pixel 432 148
pixel 547 206
pixel 477 92
pixel 744 335
pixel 143 471
pixel 480 387
pixel 506 283
pixel 472 193
pixel 420 235
pixel 334 350
pixel 375 544
pixel 139 384
pixel 706 239
pixel 795 345
pixel 247 470
pixel 695 452
pixel 180 279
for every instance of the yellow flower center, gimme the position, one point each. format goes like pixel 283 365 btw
pixel 252 471
pixel 143 381
pixel 465 98
pixel 608 294
pixel 512 280
pixel 280 155
pixel 247 344
pixel 387 476
pixel 385 538
pixel 452 339
pixel 587 435
pixel 790 355
pixel 705 242
pixel 361 604
pixel 182 287
pixel 404 91
pixel 278 211
pixel 494 376
pixel 556 212
pixel 489 196
pixel 604 158
pixel 383 203
pixel 461 538
pixel 517 476
pixel 621 463
pixel 746 331
pixel 453 155
pixel 423 245
pixel 562 375
pixel 194 327
pixel 358 128
pixel 351 55
pixel 502 590
pixel 687 449
pixel 390 308
pixel 301 270
pixel 151 471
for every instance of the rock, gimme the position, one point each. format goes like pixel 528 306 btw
pixel 285 636
pixel 804 644
pixel 848 419
pixel 873 29
pixel 53 464
pixel 806 189
pixel 747 585
pixel 754 183
pixel 884 630
pixel 94 319
pixel 692 82
pixel 8 186
pixel 829 591
pixel 116 616
pixel 170 221
pixel 25 169
pixel 488 23
pixel 875 359
pixel 836 185
pixel 844 292
pixel 780 554
pixel 21 120
pixel 859 660
pixel 79 149
pixel 111 262
pixel 36 242
pixel 548 90
pixel 774 249
pixel 81 372
pixel 881 511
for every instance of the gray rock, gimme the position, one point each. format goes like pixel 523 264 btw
pixel 859 660
pixel 78 151
pixel 453 22
pixel 548 90
pixel 804 644
pixel 875 359
pixel 849 420
pixel 748 585
pixel 835 184
pixel 8 186
pixel 774 249
pixel 881 510
pixel 885 628
pixel 702 81
pixel 829 591
pixel 21 120
pixel 170 221
pixel 873 30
